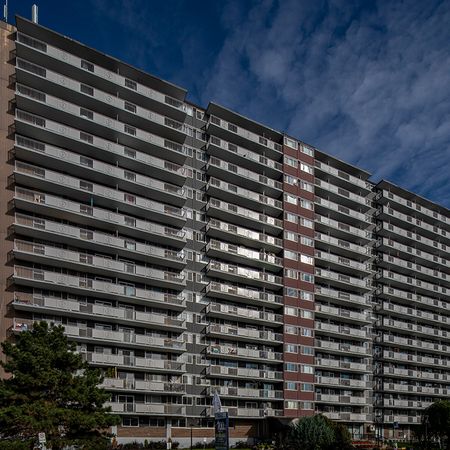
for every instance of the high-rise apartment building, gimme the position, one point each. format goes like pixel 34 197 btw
pixel 188 250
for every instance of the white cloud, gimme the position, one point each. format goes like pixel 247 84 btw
pixel 370 87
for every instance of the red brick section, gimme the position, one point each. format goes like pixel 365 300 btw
pixel 298 395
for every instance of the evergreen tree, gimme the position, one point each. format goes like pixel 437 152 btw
pixel 50 389
pixel 311 433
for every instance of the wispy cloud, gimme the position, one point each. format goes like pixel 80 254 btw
pixel 367 85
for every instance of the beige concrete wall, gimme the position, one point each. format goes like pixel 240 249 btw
pixel 6 119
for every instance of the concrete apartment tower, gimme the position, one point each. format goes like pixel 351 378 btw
pixel 189 250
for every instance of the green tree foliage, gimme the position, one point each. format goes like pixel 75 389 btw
pixel 319 433
pixel 311 433
pixel 435 426
pixel 51 390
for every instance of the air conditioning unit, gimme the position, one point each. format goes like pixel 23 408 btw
pixel 371 428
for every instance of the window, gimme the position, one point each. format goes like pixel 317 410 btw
pixel 130 107
pixel 291 386
pixel 290 311
pixel 307 241
pixel 86 113
pixel 291 348
pixel 32 42
pixel 306 314
pixel 131 84
pixel 86 186
pixel 306 223
pixel 85 89
pixel 130 176
pixel 306 186
pixel 307 387
pixel 30 67
pixel 307 332
pixel 86 65
pixel 291 180
pixel 86 137
pixel 290 161
pixel 290 217
pixel 305 295
pixel 291 367
pixel 305 259
pixel 290 199
pixel 129 152
pixel 307 277
pixel 290 329
pixel 290 236
pixel 306 168
pixel 289 254
pixel 130 421
pixel 307 369
pixel 291 292
pixel 129 129
pixel 306 204
pixel 306 150
pixel 290 143
pixel 307 350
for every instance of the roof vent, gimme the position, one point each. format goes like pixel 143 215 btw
pixel 34 14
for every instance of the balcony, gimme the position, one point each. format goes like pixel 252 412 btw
pixel 341 177
pixel 403 419
pixel 340 347
pixel 38 178
pixel 343 281
pixel 341 314
pixel 59 232
pixel 339 212
pixel 345 399
pixel 342 264
pixel 243 255
pixel 245 275
pixel 107 174
pixel 345 383
pixel 242 137
pixel 241 372
pixel 409 207
pixel 416 359
pixel 414 328
pixel 147 408
pixel 130 159
pixel 110 337
pixel 416 374
pixel 341 230
pixel 413 254
pixel 344 248
pixel 243 197
pixel 341 297
pixel 244 157
pixel 389 292
pixel 340 330
pixel 218 229
pixel 157 387
pixel 246 295
pixel 335 364
pixel 239 392
pixel 416 314
pixel 401 341
pixel 44 279
pixel 72 308
pixel 245 314
pixel 224 351
pixel 66 63
pixel 347 417
pixel 341 195
pixel 243 177
pixel 136 363
pixel 244 334
pixel 114 106
pixel 397 280
pixel 411 223
pixel 249 413
pixel 243 216
pixel 38 202
pixel 46 254
pixel 411 269
pixel 410 237
pixel 408 388
pixel 56 109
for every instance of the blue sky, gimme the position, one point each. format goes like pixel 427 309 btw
pixel 368 82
